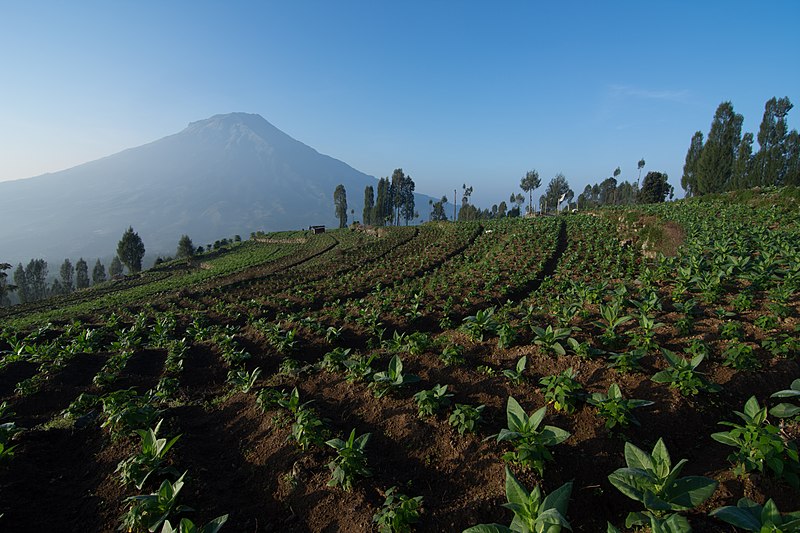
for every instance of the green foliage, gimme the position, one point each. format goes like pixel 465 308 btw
pixel 652 480
pixel 550 338
pixel 185 248
pixel 750 516
pixel 683 374
pixel 615 408
pixel 787 410
pixel 392 379
pixel 563 390
pixel 741 357
pixel 432 400
pixel 515 376
pixel 533 513
pixel 452 354
pixel 242 380
pixel 465 417
pixel 137 468
pixel 398 512
pixel 340 203
pixel 350 462
pixel 481 324
pixel 627 362
pixel 759 445
pixel 124 411
pixel 130 251
pixel 148 511
pixel 187 526
pixel 530 442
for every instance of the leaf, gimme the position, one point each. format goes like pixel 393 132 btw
pixel 558 499
pixel 784 410
pixel 215 525
pixel 664 376
pixel 631 482
pixel 751 408
pixel 559 349
pixel 515 414
pixel 635 457
pixel 689 492
pixel 488 528
pixel 661 459
pixel 725 438
pixel 536 418
pixel 552 435
pixel 551 521
pixel 741 518
pixel 515 492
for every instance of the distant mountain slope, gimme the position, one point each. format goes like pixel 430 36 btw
pixel 229 174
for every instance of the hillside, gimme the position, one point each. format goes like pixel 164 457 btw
pixel 226 175
pixel 259 354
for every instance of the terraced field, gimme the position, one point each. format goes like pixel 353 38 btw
pixel 260 356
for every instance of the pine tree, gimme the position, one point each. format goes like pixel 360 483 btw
pixel 185 248
pixel 529 183
pixel 81 274
pixel 689 178
pixel 340 202
pixel 98 273
pixel 130 250
pixel 57 289
pixel 369 205
pixel 67 272
pixel 116 267
pixel 718 158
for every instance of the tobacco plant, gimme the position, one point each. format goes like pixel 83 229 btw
pixel 787 410
pixel 433 400
pixel 242 380
pixel 533 512
pixel 550 339
pixel 465 417
pixel 683 374
pixel 392 379
pixel 741 357
pixel 187 526
pixel 615 408
pixel 759 445
pixel 149 511
pixel 481 324
pixel 563 390
pixel 627 362
pixel 530 442
pixel 516 376
pixel 350 462
pixel 138 468
pixel 651 479
pixel 452 354
pixel 398 512
pixel 750 516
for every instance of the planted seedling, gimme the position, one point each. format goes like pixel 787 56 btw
pixel 481 324
pixel 138 468
pixel 392 379
pixel 515 376
pixel 750 516
pixel 615 408
pixel 550 338
pixel 350 462
pixel 187 526
pixel 530 442
pixel 533 512
pixel 683 374
pixel 652 480
pixel 563 390
pixel 433 400
pixel 398 512
pixel 465 417
pixel 148 511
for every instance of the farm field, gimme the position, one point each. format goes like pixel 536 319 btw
pixel 436 341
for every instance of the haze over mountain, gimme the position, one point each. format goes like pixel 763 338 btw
pixel 226 175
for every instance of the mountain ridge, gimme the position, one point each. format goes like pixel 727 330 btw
pixel 228 174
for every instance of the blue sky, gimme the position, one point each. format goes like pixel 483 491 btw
pixel 452 92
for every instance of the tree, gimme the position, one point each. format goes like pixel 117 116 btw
pixel 689 178
pixel 67 272
pixel 437 211
pixel 502 209
pixel 742 172
pixel 382 210
pixel 768 165
pixel 791 174
pixel 655 188
pixel 407 209
pixel 130 250
pixel 340 202
pixel 530 182
pixel 81 274
pixel 369 205
pixel 21 281
pixel 36 280
pixel 186 248
pixel 718 157
pixel 57 289
pixel 5 287
pixel 557 191
pixel 116 267
pixel 98 273
pixel 640 165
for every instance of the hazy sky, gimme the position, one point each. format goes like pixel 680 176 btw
pixel 452 92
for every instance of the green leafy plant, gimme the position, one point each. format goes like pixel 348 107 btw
pixel 465 417
pixel 584 349
pixel 732 330
pixel 750 516
pixel 612 317
pixel 138 468
pixel 533 512
pixel 627 362
pixel 516 376
pixel 392 379
pixel 308 429
pixel 781 345
pixel 360 368
pixel 124 411
pixel 652 480
pixel 787 410
pixel 506 336
pixel 398 512
pixel 452 354
pixel 149 511
pixel 242 380
pixel 432 400
pixel 350 462
pixel 187 526
pixel 530 442
pixel 334 360
pixel 759 445
pixel 481 324
pixel 550 338
pixel 741 357
pixel 615 408
pixel 563 390
pixel 683 374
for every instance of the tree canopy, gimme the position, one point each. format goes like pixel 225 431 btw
pixel 130 250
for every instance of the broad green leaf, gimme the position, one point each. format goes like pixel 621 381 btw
pixel 785 410
pixel 488 528
pixel 515 491
pixel 770 514
pixel 751 408
pixel 664 376
pixel 740 518
pixel 724 438
pixel 661 459
pixel 631 482
pixel 536 418
pixel 550 521
pixel 552 435
pixel 515 414
pixel 689 492
pixel 558 499
pixel 635 457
